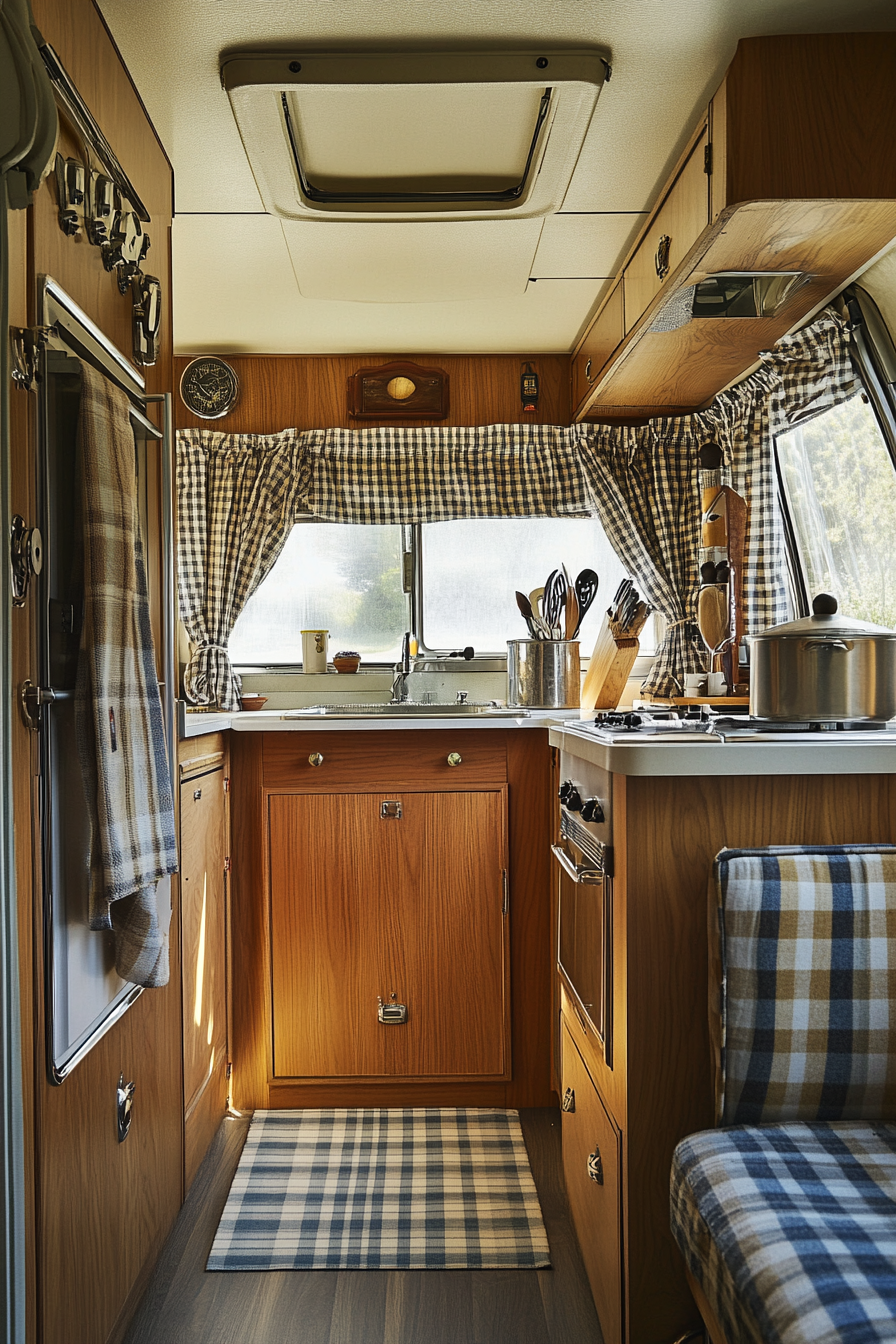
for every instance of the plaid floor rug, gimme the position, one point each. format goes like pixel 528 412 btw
pixel 428 1188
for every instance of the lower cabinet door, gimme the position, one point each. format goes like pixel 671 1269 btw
pixel 392 897
pixel 591 1168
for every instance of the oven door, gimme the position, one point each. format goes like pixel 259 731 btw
pixel 585 932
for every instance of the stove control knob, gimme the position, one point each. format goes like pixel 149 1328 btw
pixel 632 720
pixel 592 810
pixel 565 790
pixel 573 801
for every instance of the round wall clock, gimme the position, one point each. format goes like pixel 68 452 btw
pixel 209 387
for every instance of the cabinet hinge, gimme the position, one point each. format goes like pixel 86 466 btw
pixel 505 902
pixel 226 783
pixel 707 157
pixel 227 864
pixel 228 1072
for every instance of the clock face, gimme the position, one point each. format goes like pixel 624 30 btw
pixel 209 387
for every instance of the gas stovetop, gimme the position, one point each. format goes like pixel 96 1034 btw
pixel 643 726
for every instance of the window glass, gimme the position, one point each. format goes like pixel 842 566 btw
pixel 841 488
pixel 329 576
pixel 473 567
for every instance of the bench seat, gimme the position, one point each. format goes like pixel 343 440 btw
pixel 790 1230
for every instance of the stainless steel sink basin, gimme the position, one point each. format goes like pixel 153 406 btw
pixel 406 710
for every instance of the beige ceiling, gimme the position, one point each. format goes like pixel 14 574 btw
pixel 245 281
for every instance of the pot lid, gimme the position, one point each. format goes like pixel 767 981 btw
pixel 825 622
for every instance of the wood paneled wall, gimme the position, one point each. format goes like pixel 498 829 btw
pixel 311 391
pixel 98 1211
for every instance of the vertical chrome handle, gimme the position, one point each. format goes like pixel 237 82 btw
pixel 661 260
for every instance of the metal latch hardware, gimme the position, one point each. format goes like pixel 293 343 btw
pixel 390 809
pixel 124 1101
pixel 26 344
pixel 26 555
pixel 392 1014
pixel 33 698
pixel 569 1101
pixel 596 1166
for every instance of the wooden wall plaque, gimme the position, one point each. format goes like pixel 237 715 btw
pixel 398 391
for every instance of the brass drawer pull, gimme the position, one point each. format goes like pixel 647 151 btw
pixel 454 758
pixel 596 1166
pixel 569 1101
pixel 588 371
pixel 315 758
pixel 661 260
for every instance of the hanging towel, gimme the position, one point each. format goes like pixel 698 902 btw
pixel 118 709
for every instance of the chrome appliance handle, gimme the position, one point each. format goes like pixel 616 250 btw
pixel 578 872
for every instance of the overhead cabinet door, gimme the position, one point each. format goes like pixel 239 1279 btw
pixel 392 900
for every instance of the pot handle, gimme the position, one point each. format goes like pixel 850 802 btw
pixel 846 645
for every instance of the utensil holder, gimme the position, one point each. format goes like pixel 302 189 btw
pixel 543 673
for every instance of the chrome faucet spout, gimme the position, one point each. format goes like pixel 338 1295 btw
pixel 402 672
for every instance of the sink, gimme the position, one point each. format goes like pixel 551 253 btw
pixel 405 710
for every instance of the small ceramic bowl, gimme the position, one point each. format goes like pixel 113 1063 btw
pixel 346 661
pixel 253 701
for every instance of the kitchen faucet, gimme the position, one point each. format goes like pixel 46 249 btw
pixel 402 672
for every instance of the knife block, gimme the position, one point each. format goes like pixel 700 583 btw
pixel 611 662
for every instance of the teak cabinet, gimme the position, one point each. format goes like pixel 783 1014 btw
pixel 790 169
pixel 368 864
pixel 204 829
pixel 389 905
pixel 625 1109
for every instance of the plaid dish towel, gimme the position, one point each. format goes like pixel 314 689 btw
pixel 118 709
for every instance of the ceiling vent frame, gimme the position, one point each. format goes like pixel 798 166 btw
pixel 261 86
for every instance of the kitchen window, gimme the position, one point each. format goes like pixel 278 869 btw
pixel 349 580
pixel 839 485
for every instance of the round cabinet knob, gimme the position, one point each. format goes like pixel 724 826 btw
pixel 315 758
pixel 454 758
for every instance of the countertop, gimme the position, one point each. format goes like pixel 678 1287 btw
pixel 874 755
pixel 272 721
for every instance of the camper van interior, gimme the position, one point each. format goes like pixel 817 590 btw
pixel 448 761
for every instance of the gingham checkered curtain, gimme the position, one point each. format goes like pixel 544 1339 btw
pixel 238 495
pixel 644 483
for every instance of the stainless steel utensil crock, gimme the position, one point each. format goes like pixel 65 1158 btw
pixel 543 673
pixel 823 669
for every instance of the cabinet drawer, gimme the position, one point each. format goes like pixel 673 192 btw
pixel 384 760
pixel 680 220
pixel 598 344
pixel 592 1169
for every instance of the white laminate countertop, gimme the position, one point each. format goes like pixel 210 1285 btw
pixel 874 754
pixel 273 721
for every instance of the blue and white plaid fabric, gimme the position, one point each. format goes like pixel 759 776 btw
pixel 807 955
pixel 428 1188
pixel 790 1230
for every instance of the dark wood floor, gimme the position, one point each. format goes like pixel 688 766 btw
pixel 185 1305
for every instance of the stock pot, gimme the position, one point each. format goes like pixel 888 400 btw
pixel 824 668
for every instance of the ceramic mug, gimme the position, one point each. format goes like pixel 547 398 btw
pixel 314 650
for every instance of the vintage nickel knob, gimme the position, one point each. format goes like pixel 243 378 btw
pixel 454 758
pixel 315 758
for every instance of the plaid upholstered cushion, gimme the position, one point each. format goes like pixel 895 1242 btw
pixel 790 1230
pixel 807 944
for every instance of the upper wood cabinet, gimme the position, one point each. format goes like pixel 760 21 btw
pixel 798 174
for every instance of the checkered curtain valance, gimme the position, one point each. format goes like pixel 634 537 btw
pixel 644 483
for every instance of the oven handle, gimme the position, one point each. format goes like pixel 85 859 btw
pixel 579 872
